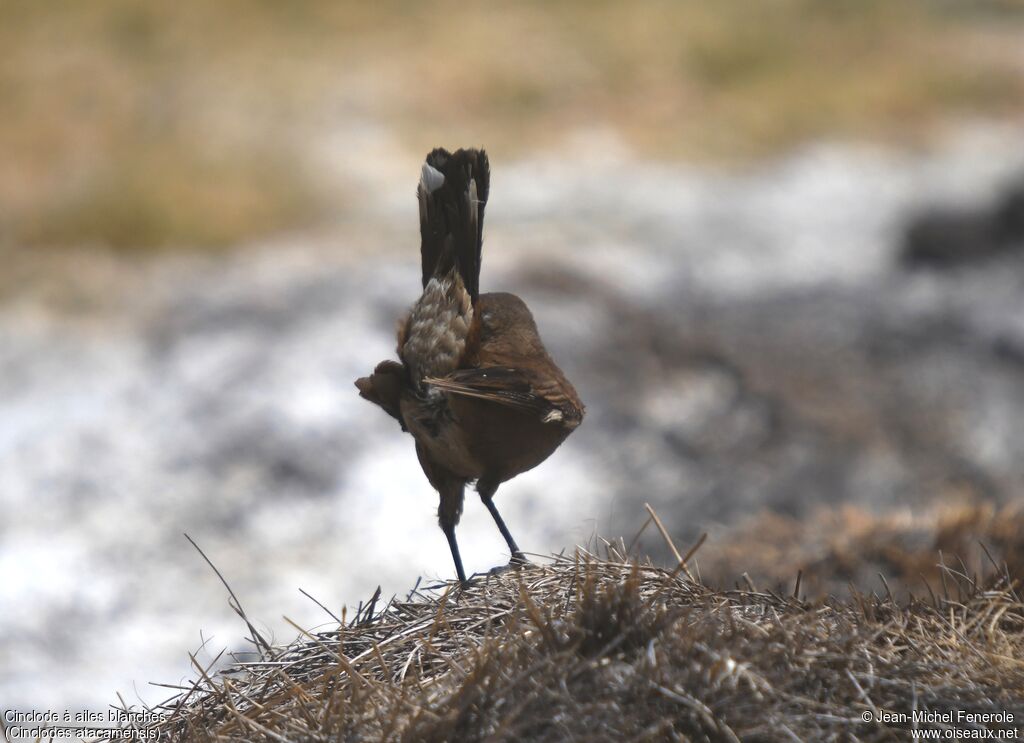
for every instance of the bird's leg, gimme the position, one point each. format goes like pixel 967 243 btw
pixel 487 491
pixel 449 532
pixel 517 554
pixel 450 488
pixel 448 512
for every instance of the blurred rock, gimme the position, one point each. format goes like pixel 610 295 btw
pixel 950 236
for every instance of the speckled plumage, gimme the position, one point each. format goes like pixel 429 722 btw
pixel 434 338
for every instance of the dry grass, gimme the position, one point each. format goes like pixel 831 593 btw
pixel 601 648
pixel 192 123
pixel 901 552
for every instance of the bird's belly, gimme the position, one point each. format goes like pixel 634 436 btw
pixel 432 424
pixel 474 438
pixel 503 441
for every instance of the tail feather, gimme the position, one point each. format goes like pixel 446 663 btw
pixel 452 195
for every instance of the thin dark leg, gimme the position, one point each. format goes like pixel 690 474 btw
pixel 450 533
pixel 517 554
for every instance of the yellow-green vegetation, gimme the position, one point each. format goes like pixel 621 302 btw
pixel 158 198
pixel 605 649
pixel 191 123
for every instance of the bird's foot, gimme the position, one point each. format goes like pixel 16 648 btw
pixel 518 561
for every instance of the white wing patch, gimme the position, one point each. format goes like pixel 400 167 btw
pixel 555 416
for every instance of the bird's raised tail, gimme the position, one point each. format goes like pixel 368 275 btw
pixel 453 193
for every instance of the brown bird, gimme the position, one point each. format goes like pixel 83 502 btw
pixel 474 385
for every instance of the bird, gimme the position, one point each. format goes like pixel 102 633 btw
pixel 473 383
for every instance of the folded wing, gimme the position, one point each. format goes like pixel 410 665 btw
pixel 514 388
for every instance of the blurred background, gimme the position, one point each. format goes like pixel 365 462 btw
pixel 776 245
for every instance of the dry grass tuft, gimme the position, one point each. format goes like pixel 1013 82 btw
pixel 601 648
pixel 833 549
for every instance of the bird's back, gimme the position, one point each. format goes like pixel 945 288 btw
pixel 509 338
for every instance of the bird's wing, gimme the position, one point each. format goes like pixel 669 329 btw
pixel 514 388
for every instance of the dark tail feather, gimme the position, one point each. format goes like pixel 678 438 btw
pixel 453 193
